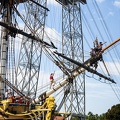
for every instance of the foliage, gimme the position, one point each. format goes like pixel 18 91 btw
pixel 111 114
pixel 91 116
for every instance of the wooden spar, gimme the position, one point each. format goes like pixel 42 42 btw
pixel 85 65
pixel 59 85
pixel 110 45
pixel 66 80
pixel 106 67
pixel 75 74
pixel 79 70
pixel 18 31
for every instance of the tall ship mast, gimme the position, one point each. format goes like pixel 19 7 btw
pixel 19 83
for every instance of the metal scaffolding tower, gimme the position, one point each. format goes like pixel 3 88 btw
pixel 31 51
pixel 72 42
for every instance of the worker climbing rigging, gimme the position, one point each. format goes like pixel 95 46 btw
pixel 52 81
pixel 95 51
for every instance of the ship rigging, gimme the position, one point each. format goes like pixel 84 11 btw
pixel 24 102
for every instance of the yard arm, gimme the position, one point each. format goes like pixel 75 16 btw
pixel 87 65
pixel 18 31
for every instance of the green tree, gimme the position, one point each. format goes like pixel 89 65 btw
pixel 102 117
pixel 91 116
pixel 113 113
